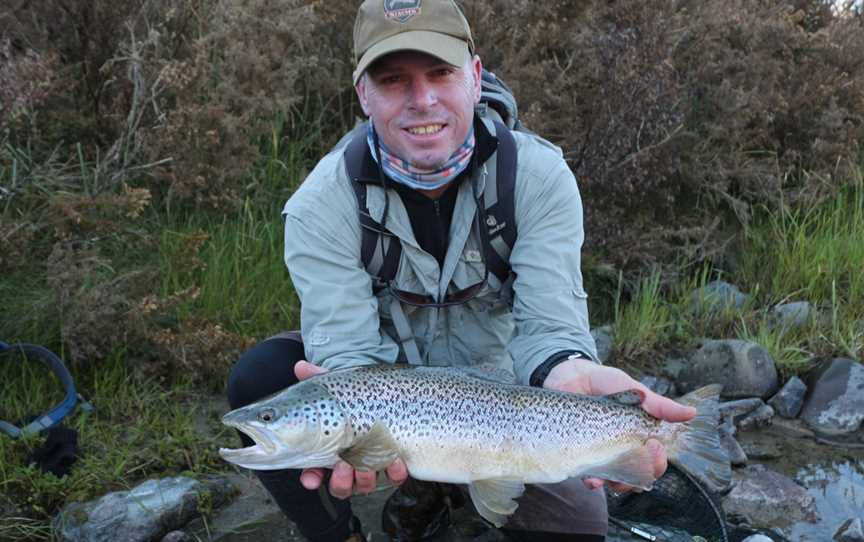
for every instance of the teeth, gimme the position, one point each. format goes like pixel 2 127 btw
pixel 426 130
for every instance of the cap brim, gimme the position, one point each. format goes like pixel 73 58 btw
pixel 449 49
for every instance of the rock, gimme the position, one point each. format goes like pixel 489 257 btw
pixel 671 367
pixel 737 455
pixel 789 400
pixel 659 385
pixel 761 451
pixel 758 538
pixel 761 417
pixel 147 512
pixel 734 411
pixel 768 499
pixel 852 530
pixel 604 340
pixel 835 405
pixel 792 428
pixel 794 315
pixel 727 425
pixel 745 369
pixel 716 297
pixel 175 536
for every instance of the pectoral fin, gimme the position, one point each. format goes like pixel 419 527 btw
pixel 375 450
pixel 634 467
pixel 495 499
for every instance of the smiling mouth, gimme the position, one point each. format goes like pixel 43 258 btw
pixel 429 129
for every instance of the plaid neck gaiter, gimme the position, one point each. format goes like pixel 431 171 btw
pixel 405 173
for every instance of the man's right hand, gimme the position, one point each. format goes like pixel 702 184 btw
pixel 344 480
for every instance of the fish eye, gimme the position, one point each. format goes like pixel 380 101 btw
pixel 267 415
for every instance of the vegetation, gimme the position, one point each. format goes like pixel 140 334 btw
pixel 147 146
pixel 813 255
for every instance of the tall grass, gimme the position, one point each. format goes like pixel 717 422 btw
pixel 645 321
pixel 241 273
pixel 242 278
pixel 817 252
pixel 816 255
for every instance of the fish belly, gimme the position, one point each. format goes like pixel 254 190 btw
pixel 462 463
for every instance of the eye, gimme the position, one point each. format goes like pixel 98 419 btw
pixel 390 79
pixel 267 415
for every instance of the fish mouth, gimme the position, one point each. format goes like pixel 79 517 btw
pixel 263 450
pixel 268 454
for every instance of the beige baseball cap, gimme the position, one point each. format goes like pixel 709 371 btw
pixel 436 27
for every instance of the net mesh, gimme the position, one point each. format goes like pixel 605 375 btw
pixel 677 509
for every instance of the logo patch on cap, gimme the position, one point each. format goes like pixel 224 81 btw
pixel 401 10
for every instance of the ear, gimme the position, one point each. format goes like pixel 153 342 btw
pixel 477 70
pixel 360 87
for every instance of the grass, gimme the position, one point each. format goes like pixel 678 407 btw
pixel 143 427
pixel 239 269
pixel 813 254
pixel 646 321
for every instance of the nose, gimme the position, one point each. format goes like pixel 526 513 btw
pixel 422 94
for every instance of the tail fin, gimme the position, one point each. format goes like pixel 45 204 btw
pixel 697 449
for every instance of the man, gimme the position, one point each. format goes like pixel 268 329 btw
pixel 422 162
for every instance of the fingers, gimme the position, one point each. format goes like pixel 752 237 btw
pixel 311 478
pixel 365 481
pixel 304 370
pixel 593 483
pixel 658 454
pixel 667 409
pixel 611 380
pixel 397 472
pixel 342 480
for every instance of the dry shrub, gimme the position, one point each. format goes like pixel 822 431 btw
pixel 200 349
pixel 776 99
pixel 184 92
pixel 101 313
pixel 75 215
pixel 91 301
pixel 27 79
pixel 674 112
pixel 218 102
pixel 84 36
pixel 15 240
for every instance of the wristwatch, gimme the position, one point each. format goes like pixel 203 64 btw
pixel 538 377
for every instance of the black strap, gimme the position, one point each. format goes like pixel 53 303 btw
pixel 501 215
pixel 376 239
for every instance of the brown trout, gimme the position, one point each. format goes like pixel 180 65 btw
pixel 467 426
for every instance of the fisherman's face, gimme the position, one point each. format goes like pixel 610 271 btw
pixel 421 106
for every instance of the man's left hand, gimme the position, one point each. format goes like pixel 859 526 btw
pixel 588 378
